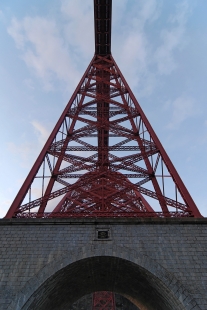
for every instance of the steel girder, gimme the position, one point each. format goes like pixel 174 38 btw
pixel 102 26
pixel 103 301
pixel 100 146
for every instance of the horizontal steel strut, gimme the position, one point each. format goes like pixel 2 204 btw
pixel 103 158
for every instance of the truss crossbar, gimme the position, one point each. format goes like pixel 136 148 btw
pixel 103 158
pixel 103 301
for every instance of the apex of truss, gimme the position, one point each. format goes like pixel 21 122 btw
pixel 103 158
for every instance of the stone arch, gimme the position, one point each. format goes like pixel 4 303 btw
pixel 103 267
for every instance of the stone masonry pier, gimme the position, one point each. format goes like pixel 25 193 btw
pixel 51 263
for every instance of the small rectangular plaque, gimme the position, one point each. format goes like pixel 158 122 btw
pixel 103 234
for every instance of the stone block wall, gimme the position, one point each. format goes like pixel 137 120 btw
pixel 165 257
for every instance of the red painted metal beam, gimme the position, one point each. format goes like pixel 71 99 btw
pixel 27 183
pixel 186 195
pixel 103 301
pixel 96 182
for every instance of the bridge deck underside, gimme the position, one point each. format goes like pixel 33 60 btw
pixel 102 20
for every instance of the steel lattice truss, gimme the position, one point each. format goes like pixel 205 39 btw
pixel 103 159
pixel 103 301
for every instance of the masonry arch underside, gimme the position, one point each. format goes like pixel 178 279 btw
pixel 104 273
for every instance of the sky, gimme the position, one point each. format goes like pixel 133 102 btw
pixel 160 47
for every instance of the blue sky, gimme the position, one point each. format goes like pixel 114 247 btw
pixel 161 48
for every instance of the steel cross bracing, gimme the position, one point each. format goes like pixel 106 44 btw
pixel 103 158
pixel 103 301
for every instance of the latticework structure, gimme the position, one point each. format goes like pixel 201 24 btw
pixel 103 301
pixel 103 158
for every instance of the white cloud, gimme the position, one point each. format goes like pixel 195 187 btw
pixel 42 132
pixel 26 152
pixel 43 50
pixel 150 10
pixel 1 14
pixel 54 52
pixel 79 27
pixel 182 108
pixel 15 30
pixel 172 38
pixel 132 47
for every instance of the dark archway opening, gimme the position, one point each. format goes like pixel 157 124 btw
pixel 86 303
pixel 103 273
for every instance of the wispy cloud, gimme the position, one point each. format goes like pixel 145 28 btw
pixel 182 108
pixel 53 49
pixel 150 10
pixel 41 131
pixel 172 38
pixel 53 52
pixel 26 151
pixel 43 50
pixel 1 14
pixel 133 45
pixel 79 26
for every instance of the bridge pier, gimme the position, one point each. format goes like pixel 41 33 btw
pixel 51 263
